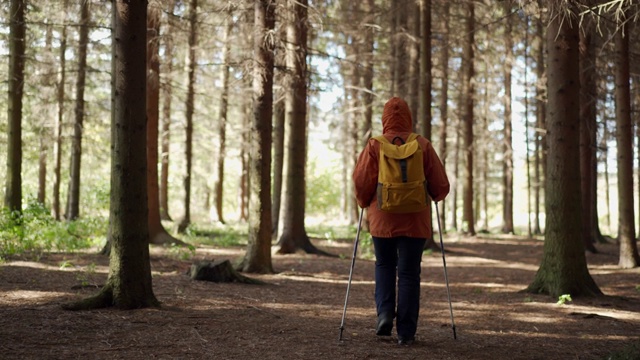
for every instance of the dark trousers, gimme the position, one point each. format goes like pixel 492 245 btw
pixel 401 257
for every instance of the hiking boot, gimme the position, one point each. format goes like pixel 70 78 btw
pixel 385 324
pixel 406 341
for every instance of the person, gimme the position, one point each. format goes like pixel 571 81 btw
pixel 398 238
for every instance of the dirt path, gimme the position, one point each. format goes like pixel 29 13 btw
pixel 297 316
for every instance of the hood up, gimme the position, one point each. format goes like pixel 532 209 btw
pixel 396 117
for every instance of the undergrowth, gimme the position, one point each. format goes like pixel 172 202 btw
pixel 35 231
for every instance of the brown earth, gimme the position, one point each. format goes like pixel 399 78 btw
pixel 298 314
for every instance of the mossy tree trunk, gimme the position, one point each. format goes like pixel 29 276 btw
pixel 563 269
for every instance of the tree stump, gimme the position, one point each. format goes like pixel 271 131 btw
pixel 218 271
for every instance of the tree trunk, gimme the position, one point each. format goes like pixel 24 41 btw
pixel 424 105
pixel 588 129
pixel 540 142
pixel 294 235
pixel 368 49
pixel 57 142
pixel 425 82
pixel 507 145
pixel 563 269
pixel 43 128
pixel 157 233
pixel 278 156
pixel 218 187
pixel 258 256
pixel 166 115
pixel 401 60
pixel 73 196
pixel 129 285
pixel 414 46
pixel 468 94
pixel 191 66
pixel 456 175
pixel 629 257
pixel 444 100
pixel 17 34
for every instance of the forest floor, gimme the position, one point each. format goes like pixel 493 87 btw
pixel 297 315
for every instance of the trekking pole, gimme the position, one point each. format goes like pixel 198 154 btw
pixel 446 278
pixel 353 263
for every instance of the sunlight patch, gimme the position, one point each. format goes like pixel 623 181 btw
pixel 31 295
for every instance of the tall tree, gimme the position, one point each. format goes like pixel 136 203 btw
pixel 48 83
pixel 507 145
pixel 563 269
pixel 157 233
pixel 444 97
pixel 540 142
pixel 629 257
pixel 222 118
pixel 191 73
pixel 368 47
pixel 468 93
pixel 294 235
pixel 73 196
pixel 424 103
pixel 17 40
pixel 258 255
pixel 278 123
pixel 165 134
pixel 129 284
pixel 400 41
pixel 588 131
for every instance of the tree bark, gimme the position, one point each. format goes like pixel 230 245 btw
pixel 563 269
pixel 444 100
pixel 468 96
pixel 258 256
pixel 191 66
pixel 629 257
pixel 17 34
pixel 129 285
pixel 588 129
pixel 73 196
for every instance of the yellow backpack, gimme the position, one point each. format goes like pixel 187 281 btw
pixel 401 182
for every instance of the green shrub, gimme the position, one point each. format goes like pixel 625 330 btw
pixel 35 231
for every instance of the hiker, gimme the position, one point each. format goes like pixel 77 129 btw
pixel 399 234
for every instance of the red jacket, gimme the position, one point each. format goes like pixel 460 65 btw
pixel 396 121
